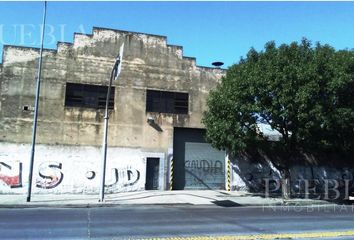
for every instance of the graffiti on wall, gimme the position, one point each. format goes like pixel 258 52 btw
pixel 50 175
pixel 204 166
pixel 125 177
pixel 207 166
pixel 304 181
pixel 11 174
pixel 204 174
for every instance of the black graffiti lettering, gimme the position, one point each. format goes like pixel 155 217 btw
pixel 187 164
pixel 90 175
pixel 124 177
pixel 218 166
pixel 130 174
pixel 194 164
pixel 14 181
pixel 51 175
pixel 115 177
pixel 207 166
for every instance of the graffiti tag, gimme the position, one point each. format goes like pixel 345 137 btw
pixel 125 177
pixel 11 175
pixel 207 166
pixel 50 175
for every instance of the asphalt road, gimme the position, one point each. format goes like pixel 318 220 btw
pixel 136 222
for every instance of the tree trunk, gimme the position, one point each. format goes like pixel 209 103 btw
pixel 285 183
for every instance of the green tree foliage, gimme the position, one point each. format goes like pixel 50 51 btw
pixel 304 92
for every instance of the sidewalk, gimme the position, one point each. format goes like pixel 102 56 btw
pixel 185 197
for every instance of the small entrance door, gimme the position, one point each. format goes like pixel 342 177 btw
pixel 152 173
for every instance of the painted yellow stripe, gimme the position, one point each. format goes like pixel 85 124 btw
pixel 265 236
pixel 228 188
pixel 171 174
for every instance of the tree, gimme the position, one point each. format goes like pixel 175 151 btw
pixel 304 92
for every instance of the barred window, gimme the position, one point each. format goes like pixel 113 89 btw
pixel 166 102
pixel 88 96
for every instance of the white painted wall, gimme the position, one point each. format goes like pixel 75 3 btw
pixel 72 169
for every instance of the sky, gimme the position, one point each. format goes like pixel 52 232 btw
pixel 208 31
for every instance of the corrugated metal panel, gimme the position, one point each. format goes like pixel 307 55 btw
pixel 204 166
pixel 196 164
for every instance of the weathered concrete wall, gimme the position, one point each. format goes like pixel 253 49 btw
pixel 72 169
pixel 149 63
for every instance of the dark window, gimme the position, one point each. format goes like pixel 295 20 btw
pixel 166 102
pixel 88 96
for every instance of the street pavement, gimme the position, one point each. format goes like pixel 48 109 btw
pixel 179 222
pixel 169 214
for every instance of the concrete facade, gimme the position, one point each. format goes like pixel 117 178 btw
pixel 69 138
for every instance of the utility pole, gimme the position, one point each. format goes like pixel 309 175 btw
pixel 114 75
pixel 34 129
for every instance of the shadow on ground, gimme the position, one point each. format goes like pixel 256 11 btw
pixel 226 203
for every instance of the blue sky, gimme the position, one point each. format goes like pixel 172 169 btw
pixel 209 31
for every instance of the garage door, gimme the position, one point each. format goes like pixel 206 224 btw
pixel 197 165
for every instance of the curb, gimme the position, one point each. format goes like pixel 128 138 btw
pixel 91 205
pixel 100 205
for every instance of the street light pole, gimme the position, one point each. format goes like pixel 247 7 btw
pixel 114 75
pixel 34 129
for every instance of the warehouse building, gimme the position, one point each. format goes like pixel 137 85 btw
pixel 155 136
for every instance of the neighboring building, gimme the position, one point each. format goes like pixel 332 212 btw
pixel 155 130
